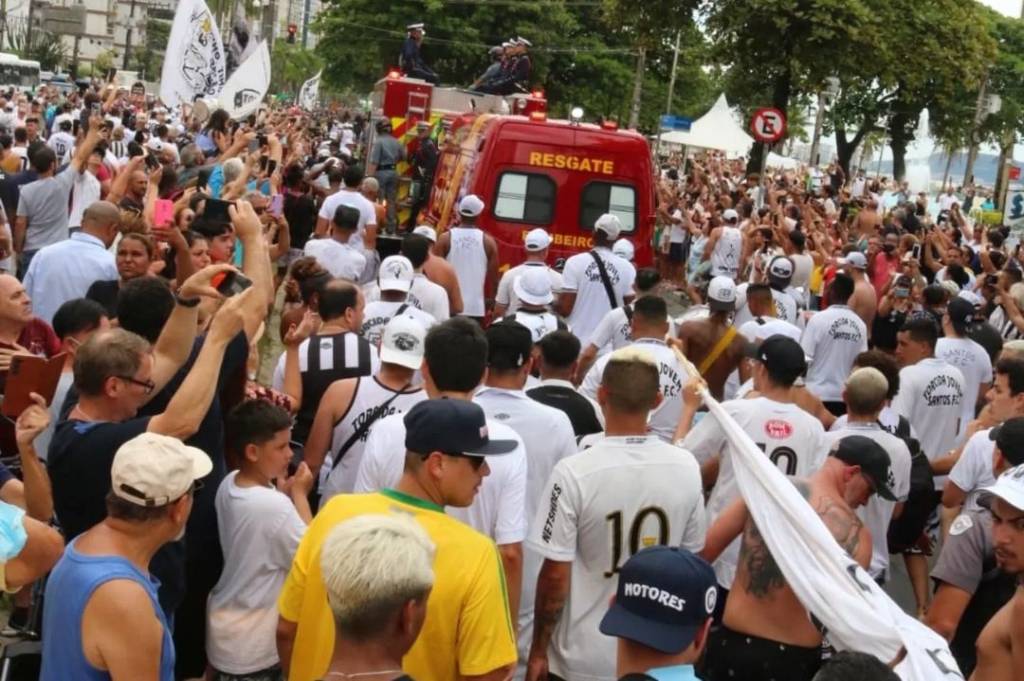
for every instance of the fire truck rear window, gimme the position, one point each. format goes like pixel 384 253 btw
pixel 598 198
pixel 525 197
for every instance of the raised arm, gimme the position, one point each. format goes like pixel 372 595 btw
pixel 190 403
pixel 173 347
pixel 255 260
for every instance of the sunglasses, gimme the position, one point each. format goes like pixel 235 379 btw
pixel 475 461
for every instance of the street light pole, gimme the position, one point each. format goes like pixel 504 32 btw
pixel 671 90
pixel 128 36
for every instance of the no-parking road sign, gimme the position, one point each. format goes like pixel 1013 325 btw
pixel 768 125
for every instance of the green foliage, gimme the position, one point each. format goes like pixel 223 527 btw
pixel 148 59
pixel 291 66
pixel 104 60
pixel 47 49
pixel 584 55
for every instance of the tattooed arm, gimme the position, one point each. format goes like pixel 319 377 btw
pixel 552 591
pixel 847 529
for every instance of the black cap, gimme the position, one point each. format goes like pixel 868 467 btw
pixel 782 356
pixel 1009 437
pixel 873 460
pixel 452 427
pixel 961 313
pixel 665 595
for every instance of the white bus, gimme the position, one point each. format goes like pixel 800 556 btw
pixel 20 73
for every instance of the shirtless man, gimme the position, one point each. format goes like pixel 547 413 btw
pixel 766 632
pixel 440 271
pixel 1001 643
pixel 713 344
pixel 864 300
pixel 868 221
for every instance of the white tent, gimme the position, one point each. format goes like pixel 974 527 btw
pixel 717 129
pixel 783 162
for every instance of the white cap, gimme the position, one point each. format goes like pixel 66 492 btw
pixel 951 286
pixel 777 327
pixel 471 205
pixel 722 294
pixel 402 342
pixel 624 249
pixel 414 27
pixel 537 239
pixel 396 274
pixel 780 269
pixel 533 286
pixel 1009 487
pixel 524 41
pixel 609 224
pixel 427 231
pixel 856 260
pixel 155 470
pixel 730 215
pixel 971 297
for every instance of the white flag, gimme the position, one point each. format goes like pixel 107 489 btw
pixel 309 95
pixel 248 85
pixel 857 613
pixel 194 65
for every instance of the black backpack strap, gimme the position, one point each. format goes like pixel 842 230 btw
pixel 605 280
pixel 628 309
pixel 364 427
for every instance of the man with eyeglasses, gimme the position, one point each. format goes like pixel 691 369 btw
pixel 116 373
pixel 467 633
pixel 101 594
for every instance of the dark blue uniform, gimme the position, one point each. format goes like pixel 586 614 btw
pixel 412 62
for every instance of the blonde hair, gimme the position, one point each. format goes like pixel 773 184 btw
pixel 372 565
pixel 1017 293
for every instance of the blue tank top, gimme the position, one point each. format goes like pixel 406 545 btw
pixel 68 590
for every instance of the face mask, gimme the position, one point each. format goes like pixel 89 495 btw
pixel 888 248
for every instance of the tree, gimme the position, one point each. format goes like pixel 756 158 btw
pixel 291 66
pixel 772 49
pixel 148 59
pixel 925 55
pixel 583 54
pixel 46 48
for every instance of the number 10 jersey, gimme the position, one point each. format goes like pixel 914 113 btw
pixel 599 507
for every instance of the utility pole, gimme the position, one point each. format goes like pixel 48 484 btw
pixel 671 89
pixel 638 83
pixel 128 36
pixel 305 22
pixel 3 21
pixel 819 121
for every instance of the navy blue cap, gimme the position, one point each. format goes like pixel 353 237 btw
pixel 665 595
pixel 452 427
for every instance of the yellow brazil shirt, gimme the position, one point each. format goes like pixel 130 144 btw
pixel 468 630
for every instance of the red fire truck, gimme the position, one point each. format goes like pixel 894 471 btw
pixel 530 171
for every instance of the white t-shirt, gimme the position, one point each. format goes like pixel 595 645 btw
pixel 377 314
pixel 725 259
pixel 877 513
pixel 971 359
pixel 85 192
pixel 973 470
pixel 548 438
pixel 259 531
pixel 614 332
pixel 343 261
pixel 786 307
pixel 833 339
pixel 499 508
pixel 946 201
pixel 429 297
pixel 600 507
pixel 931 396
pixel 887 418
pixel 793 439
pixel 665 418
pixel 506 294
pixel 367 212
pixel 582 277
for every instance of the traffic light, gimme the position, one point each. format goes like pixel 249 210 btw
pixel 292 28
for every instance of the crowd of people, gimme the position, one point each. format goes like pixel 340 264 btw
pixel 271 454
